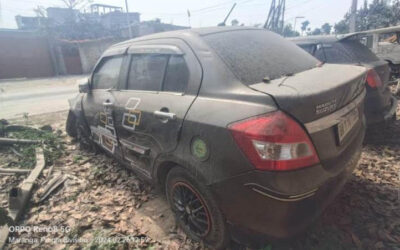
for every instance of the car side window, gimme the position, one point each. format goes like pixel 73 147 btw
pixel 177 75
pixel 320 53
pixel 147 72
pixel 106 74
pixel 310 48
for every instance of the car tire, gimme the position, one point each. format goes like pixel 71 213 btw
pixel 180 185
pixel 71 125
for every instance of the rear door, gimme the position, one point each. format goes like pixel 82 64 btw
pixel 162 81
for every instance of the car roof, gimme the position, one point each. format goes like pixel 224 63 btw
pixel 320 39
pixel 185 33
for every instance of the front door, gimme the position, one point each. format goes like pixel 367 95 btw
pixel 98 103
pixel 161 85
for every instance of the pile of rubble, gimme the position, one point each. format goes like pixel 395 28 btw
pixel 88 200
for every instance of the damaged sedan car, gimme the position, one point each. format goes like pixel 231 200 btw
pixel 249 136
pixel 380 104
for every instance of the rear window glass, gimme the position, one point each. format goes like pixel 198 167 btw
pixel 177 75
pixel 359 52
pixel 253 55
pixel 348 51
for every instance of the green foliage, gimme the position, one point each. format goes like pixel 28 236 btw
pixel 304 25
pixel 326 28
pixel 53 146
pixel 342 27
pixel 289 32
pixel 316 32
pixel 378 14
pixel 77 158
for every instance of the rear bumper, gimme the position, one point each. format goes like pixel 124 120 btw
pixel 261 205
pixel 376 112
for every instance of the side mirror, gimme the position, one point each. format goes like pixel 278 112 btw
pixel 84 86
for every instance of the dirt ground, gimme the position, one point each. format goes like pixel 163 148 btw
pixel 101 200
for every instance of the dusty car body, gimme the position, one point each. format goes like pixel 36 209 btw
pixel 237 121
pixel 380 104
pixel 384 42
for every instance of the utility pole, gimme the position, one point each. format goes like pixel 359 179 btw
pixel 353 16
pixel 127 19
pixel 295 21
pixel 276 16
pixel 1 17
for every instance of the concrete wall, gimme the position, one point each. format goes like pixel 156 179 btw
pixel 24 54
pixel 91 51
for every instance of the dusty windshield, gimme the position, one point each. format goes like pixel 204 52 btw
pixel 253 55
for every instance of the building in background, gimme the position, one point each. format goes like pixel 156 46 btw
pixel 66 41
pixel 29 22
pixel 60 16
pixel 149 27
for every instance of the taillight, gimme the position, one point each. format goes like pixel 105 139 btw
pixel 274 142
pixel 373 79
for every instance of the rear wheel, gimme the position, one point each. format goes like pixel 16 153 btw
pixel 195 209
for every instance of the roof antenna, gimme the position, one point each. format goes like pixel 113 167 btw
pixel 227 16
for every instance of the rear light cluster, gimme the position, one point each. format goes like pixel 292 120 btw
pixel 373 79
pixel 274 142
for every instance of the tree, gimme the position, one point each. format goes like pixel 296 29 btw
pixel 40 11
pixel 316 32
pixel 342 27
pixel 235 22
pixel 289 32
pixel 396 11
pixel 326 28
pixel 304 26
pixel 72 4
pixel 378 14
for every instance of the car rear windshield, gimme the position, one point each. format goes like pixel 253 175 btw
pixel 347 51
pixel 253 55
pixel 359 52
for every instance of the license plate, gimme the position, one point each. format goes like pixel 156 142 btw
pixel 347 124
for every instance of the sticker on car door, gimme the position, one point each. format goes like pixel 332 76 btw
pixel 104 133
pixel 132 117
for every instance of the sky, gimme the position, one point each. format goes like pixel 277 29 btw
pixel 203 12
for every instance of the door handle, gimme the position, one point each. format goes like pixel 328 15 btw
pixel 164 115
pixel 107 103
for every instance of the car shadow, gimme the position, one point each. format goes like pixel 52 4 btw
pixel 388 134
